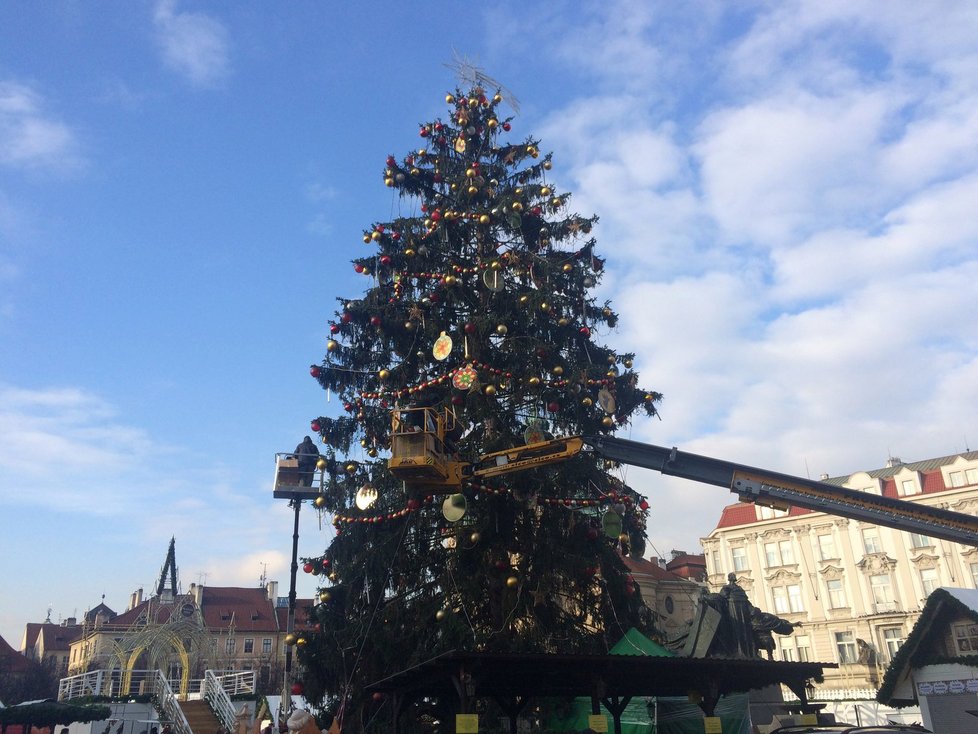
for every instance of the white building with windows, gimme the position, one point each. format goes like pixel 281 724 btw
pixel 857 588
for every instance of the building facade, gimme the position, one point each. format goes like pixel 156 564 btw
pixel 857 588
pixel 184 634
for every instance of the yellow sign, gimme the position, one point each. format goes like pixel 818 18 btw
pixel 808 719
pixel 598 723
pixel 467 723
pixel 711 725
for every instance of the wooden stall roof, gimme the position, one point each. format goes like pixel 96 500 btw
pixel 517 675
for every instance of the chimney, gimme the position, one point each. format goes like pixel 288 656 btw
pixel 198 593
pixel 893 461
pixel 135 599
pixel 70 622
pixel 271 591
pixel 823 476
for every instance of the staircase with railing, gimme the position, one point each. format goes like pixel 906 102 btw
pixel 203 712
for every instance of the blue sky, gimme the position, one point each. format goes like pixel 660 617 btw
pixel 786 191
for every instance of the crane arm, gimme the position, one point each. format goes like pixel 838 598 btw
pixel 773 489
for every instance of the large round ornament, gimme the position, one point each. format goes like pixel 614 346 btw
pixel 442 347
pixel 454 507
pixel 606 400
pixel 465 378
pixel 366 496
pixel 493 280
pixel 611 524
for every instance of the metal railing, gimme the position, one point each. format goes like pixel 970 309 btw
pixel 219 700
pixel 125 683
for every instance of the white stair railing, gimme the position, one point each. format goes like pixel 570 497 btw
pixel 169 705
pixel 219 700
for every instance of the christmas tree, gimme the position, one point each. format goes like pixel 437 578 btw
pixel 476 334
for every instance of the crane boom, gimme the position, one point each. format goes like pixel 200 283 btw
pixel 782 490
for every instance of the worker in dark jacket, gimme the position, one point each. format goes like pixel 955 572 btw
pixel 307 454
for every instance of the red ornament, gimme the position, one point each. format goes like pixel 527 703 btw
pixel 391 161
pixel 644 504
pixel 553 406
pixel 315 371
pixel 334 329
pixel 469 328
pixel 307 568
pixel 385 259
pixel 375 321
pixel 507 127
pixel 395 236
pixel 315 426
pixel 425 132
pixel 297 689
pixel 346 317
pixel 413 504
pixel 585 331
pixel 378 696
pixel 358 268
pixel 457 399
pixel 436 216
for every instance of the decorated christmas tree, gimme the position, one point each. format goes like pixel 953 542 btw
pixel 467 517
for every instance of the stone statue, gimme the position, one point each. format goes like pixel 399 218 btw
pixel 738 613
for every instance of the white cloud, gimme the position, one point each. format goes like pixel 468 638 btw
pixel 194 44
pixel 28 137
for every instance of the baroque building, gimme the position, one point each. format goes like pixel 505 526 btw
pixel 857 588
pixel 220 628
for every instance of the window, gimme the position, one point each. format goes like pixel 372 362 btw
pixel 780 599
pixel 871 540
pixel 908 486
pixel 882 592
pixel 966 637
pixel 920 541
pixel 778 554
pixel 892 639
pixel 795 603
pixel 767 513
pixel 971 476
pixel 845 644
pixel 229 646
pixel 249 645
pixel 837 595
pixel 795 648
pixel 266 646
pixel 739 558
pixel 787 599
pixel 715 557
pixel 826 547
pixel 929 580
pixel 957 478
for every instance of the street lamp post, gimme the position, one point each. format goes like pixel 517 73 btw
pixel 295 493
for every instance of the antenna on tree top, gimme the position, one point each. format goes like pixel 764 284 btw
pixel 471 74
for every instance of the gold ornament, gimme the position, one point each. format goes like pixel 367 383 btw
pixel 325 596
pixel 558 370
pixel 366 239
pixel 475 538
pixel 517 206
pixel 501 329
pixel 449 99
pixel 440 615
pixel 607 421
pixel 497 98
pixel 332 345
pixel 534 381
pixel 545 191
pixel 563 321
pixel 290 639
pixel 490 390
pixel 492 123
pixel 371 452
pixel 351 468
pixel 409 252
pixel 300 641
pixel 473 190
pixel 484 219
pixel 512 582
pixel 567 267
pixel 384 374
pixel 321 464
pixel 587 402
pixel 375 235
pixel 548 165
pixel 450 280
pixel 319 502
pixel 545 307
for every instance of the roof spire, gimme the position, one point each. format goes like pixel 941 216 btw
pixel 169 564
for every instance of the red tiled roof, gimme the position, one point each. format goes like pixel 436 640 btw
pixel 59 638
pixel 644 566
pixel 249 609
pixel 302 609
pixel 14 662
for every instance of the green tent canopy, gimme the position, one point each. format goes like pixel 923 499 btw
pixel 656 715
